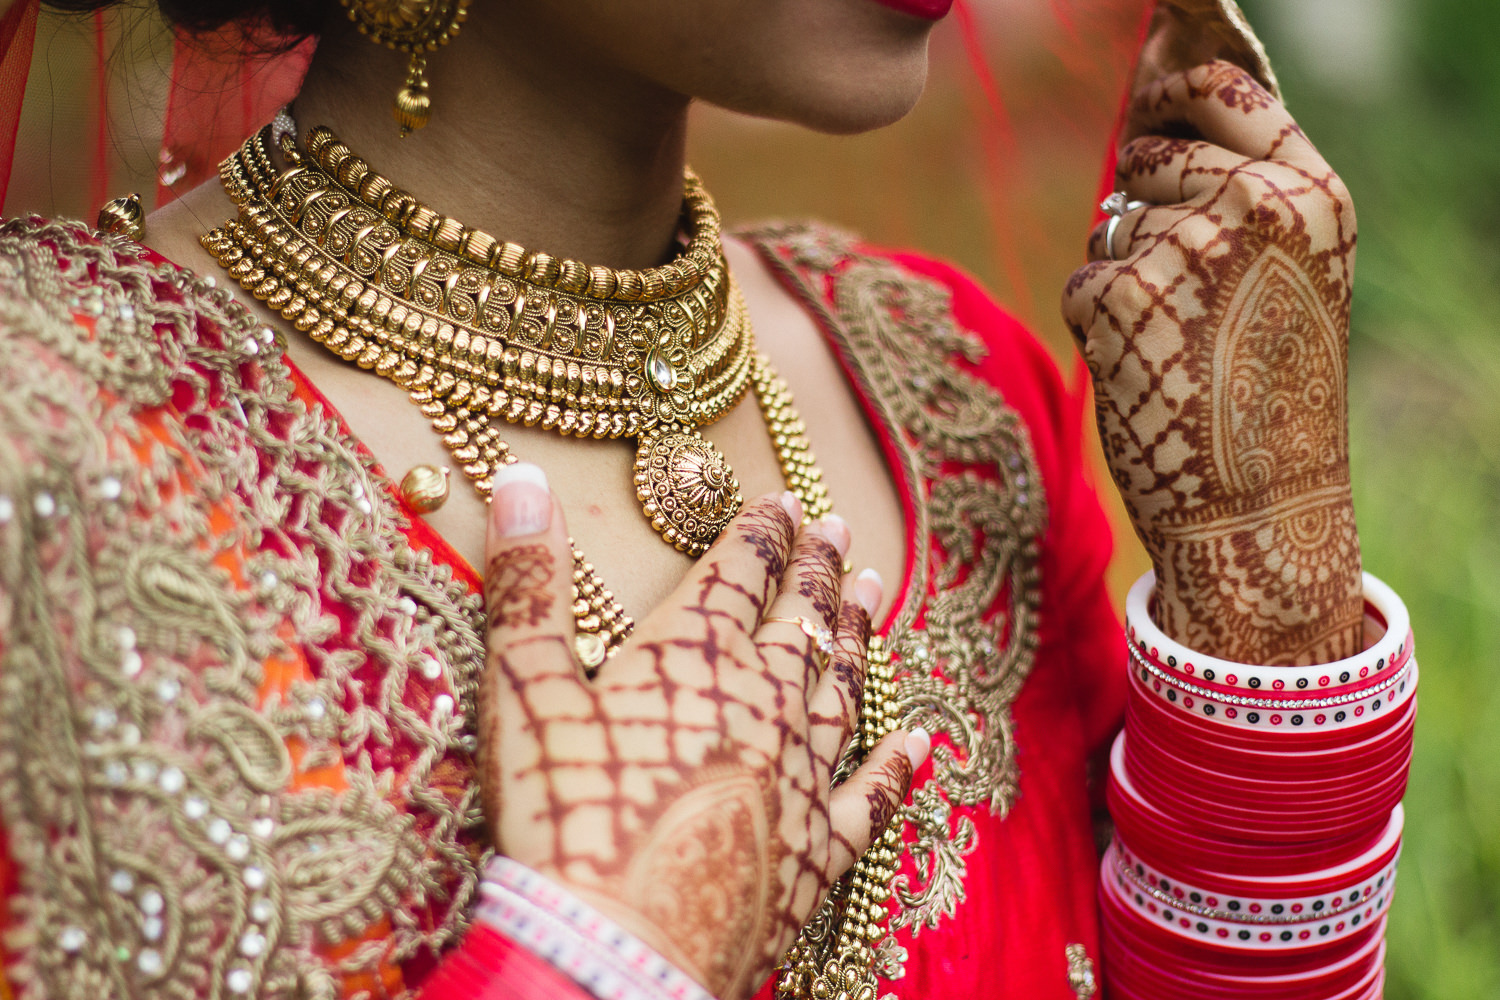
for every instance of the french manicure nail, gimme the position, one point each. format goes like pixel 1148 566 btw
pixel 836 530
pixel 522 503
pixel 868 589
pixel 792 506
pixel 918 745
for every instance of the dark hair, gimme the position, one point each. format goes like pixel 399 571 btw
pixel 291 19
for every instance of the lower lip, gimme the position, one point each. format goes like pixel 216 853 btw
pixel 927 10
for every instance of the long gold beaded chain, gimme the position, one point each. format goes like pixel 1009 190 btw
pixel 399 291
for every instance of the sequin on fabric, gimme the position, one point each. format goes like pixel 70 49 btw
pixel 227 767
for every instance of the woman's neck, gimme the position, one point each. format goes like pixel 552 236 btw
pixel 536 144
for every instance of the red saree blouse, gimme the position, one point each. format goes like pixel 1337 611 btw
pixel 236 726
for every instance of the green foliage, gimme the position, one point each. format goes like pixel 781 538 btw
pixel 1422 160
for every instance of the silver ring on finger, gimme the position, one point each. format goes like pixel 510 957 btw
pixel 1117 206
pixel 821 636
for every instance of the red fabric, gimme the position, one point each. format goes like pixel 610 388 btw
pixel 419 533
pixel 17 37
pixel 220 94
pixel 487 965
pixel 1030 887
pixel 1032 881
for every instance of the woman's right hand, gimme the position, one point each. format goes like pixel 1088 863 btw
pixel 686 791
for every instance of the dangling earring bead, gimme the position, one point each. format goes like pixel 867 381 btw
pixel 416 27
pixel 413 106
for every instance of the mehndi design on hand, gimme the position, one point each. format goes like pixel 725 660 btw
pixel 1218 346
pixel 686 790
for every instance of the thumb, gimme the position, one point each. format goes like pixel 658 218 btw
pixel 528 564
pixel 528 594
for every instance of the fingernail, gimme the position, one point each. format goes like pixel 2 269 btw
pixel 836 530
pixel 522 503
pixel 918 745
pixel 792 506
pixel 868 589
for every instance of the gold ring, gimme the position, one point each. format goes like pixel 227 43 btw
pixel 821 636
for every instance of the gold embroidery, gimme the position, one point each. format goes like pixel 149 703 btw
pixel 146 783
pixel 966 636
pixel 159 784
pixel 1081 972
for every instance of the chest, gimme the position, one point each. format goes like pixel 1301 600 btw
pixel 594 478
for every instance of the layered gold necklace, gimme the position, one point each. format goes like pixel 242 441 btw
pixel 482 333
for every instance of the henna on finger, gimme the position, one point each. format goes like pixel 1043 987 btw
pixel 820 586
pixel 887 789
pixel 1164 170
pixel 836 703
pixel 1225 105
pixel 518 586
pixel 770 532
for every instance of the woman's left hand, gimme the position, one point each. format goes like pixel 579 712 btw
pixel 1216 330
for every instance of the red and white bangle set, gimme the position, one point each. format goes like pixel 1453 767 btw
pixel 1258 818
pixel 519 907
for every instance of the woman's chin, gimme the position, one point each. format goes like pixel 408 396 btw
pixel 842 103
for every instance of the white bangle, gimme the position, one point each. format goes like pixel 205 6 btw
pixel 1385 616
pixel 577 940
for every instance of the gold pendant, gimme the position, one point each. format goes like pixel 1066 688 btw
pixel 685 486
pixel 425 488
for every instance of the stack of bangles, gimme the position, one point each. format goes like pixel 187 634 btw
pixel 1257 817
pixel 531 939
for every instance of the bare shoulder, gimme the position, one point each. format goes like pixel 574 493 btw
pixel 174 229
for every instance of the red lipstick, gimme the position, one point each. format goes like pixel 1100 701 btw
pixel 927 10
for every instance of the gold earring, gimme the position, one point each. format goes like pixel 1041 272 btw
pixel 412 26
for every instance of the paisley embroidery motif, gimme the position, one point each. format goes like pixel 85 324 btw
pixel 966 637
pixel 233 754
pixel 233 729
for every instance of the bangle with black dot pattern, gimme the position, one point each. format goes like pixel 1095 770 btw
pixel 1326 714
pixel 1277 901
pixel 1384 610
pixel 1238 933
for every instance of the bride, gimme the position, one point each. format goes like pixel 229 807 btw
pixel 431 548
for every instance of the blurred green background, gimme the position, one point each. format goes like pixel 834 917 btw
pixel 1403 98
pixel 1412 122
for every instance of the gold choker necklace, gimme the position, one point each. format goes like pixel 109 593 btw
pixel 476 329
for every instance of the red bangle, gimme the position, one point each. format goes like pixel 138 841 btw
pixel 486 965
pixel 1275 759
pixel 1157 835
pixel 1146 961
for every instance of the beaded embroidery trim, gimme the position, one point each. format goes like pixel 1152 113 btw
pixel 976 579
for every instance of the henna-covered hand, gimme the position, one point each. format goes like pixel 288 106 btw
pixel 686 791
pixel 1218 346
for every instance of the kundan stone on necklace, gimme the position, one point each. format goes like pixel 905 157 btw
pixel 478 330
